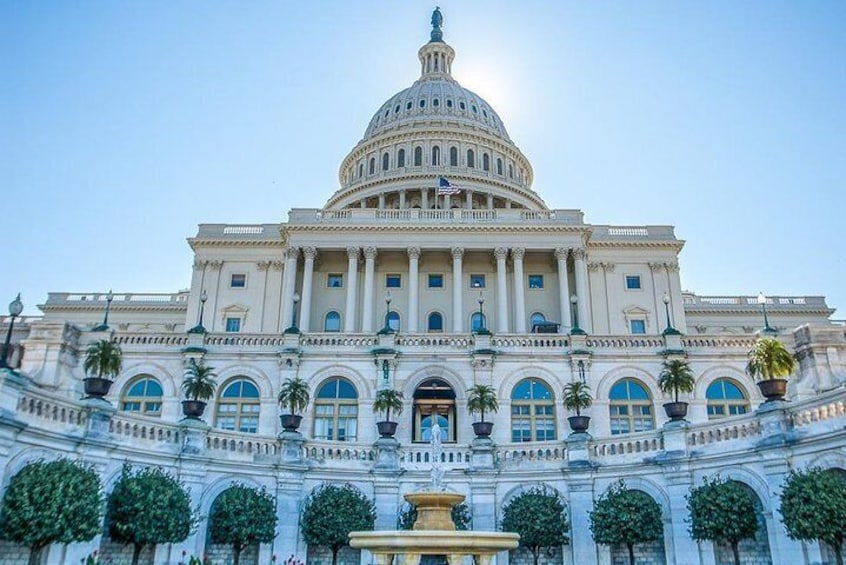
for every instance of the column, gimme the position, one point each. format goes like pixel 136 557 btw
pixel 367 309
pixel 490 201
pixel 413 267
pixel 501 290
pixel 352 274
pixel 289 286
pixel 519 290
pixel 468 202
pixel 457 290
pixel 561 254
pixel 424 198
pixel 309 254
pixel 580 254
pixel 402 199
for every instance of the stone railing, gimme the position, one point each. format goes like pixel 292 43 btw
pixel 744 302
pixel 428 341
pixel 127 298
pixel 628 444
pixel 244 340
pixel 822 409
pixel 724 429
pixel 625 342
pixel 719 341
pixel 601 233
pixel 336 340
pixel 517 454
pixel 531 341
pixel 239 231
pixel 136 428
pixel 342 453
pixel 420 216
pixel 240 445
pixel 57 410
pixel 419 456
pixel 172 340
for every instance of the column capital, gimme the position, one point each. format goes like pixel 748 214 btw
pixel 370 252
pixel 656 267
pixel 580 252
pixel 353 251
pixel 310 252
pixel 672 267
pixel 278 265
pixel 561 253
pixel 457 252
pixel 215 265
pixel 608 267
pixel 200 264
pixel 413 252
pixel 594 266
pixel 264 265
pixel 292 252
pixel 501 253
pixel 518 253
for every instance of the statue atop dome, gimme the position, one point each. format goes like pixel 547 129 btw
pixel 437 22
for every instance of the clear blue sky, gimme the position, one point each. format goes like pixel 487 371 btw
pixel 125 124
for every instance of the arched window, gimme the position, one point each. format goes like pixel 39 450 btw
pixel 510 171
pixel 478 321
pixel 394 320
pixel 630 408
pixel 435 322
pixel 536 320
pixel 238 407
pixel 486 162
pixel 532 411
pixel 372 168
pixel 360 170
pixel 726 398
pixel 332 322
pixel 144 396
pixel 434 401
pixel 401 158
pixel 499 166
pixel 453 156
pixel 436 155
pixel 418 156
pixel 471 159
pixel 386 160
pixel 336 411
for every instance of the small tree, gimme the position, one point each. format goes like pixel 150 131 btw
pixel 242 516
pixel 769 359
pixel 722 511
pixel 294 395
pixel 813 507
pixel 55 502
pixel 332 512
pixel 199 383
pixel 577 396
pixel 538 515
pixel 676 376
pixel 147 508
pixel 481 399
pixel 103 360
pixel 387 400
pixel 624 516
pixel 460 515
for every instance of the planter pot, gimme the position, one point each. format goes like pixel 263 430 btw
pixel 676 410
pixel 386 429
pixel 95 387
pixel 482 429
pixel 579 424
pixel 773 389
pixel 290 422
pixel 193 408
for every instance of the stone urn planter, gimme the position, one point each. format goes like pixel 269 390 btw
pixel 676 410
pixel 96 387
pixel 483 429
pixel 290 422
pixel 773 389
pixel 579 424
pixel 386 429
pixel 193 408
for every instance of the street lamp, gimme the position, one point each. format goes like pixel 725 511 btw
pixel 576 330
pixel 670 330
pixel 482 329
pixel 15 309
pixel 199 329
pixel 762 300
pixel 387 329
pixel 105 325
pixel 294 329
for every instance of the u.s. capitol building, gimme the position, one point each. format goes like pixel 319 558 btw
pixel 427 286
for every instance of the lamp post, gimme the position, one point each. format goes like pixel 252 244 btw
pixel 669 330
pixel 15 309
pixel 387 329
pixel 762 300
pixel 294 329
pixel 105 325
pixel 576 330
pixel 199 329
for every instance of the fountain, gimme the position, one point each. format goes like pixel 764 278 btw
pixel 433 532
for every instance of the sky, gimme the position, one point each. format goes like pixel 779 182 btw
pixel 123 125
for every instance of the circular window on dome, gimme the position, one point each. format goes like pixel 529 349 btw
pixel 397 109
pixel 408 106
pixel 422 103
pixel 462 106
pixel 449 103
pixel 475 110
pixel 436 102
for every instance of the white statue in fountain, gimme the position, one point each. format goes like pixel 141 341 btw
pixel 437 468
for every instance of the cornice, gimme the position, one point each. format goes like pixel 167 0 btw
pixel 195 242
pixel 676 244
pixel 99 307
pixel 436 228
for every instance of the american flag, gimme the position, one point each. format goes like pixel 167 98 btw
pixel 446 188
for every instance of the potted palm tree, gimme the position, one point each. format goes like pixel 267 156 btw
pixel 387 400
pixel 577 397
pixel 294 396
pixel 481 399
pixel 769 360
pixel 103 361
pixel 676 376
pixel 199 385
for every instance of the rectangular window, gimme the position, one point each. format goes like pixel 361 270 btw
pixel 638 326
pixel 238 280
pixel 536 281
pixel 436 281
pixel 393 281
pixel 233 324
pixel 477 281
pixel 335 280
pixel 633 282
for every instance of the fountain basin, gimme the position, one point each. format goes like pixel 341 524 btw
pixel 434 509
pixel 387 545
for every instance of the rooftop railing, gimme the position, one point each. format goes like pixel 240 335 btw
pixel 746 302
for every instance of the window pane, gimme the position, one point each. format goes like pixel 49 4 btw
pixel 233 324
pixel 436 281
pixel 477 281
pixel 249 390
pixel 335 280
pixel 238 280
pixel 535 281
pixel 436 322
pixel 633 282
pixel 732 391
pixel 393 281
pixel 637 392
pixel 638 326
pixel 346 390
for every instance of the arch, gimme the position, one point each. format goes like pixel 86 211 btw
pixel 830 460
pixel 372 167
pixel 360 170
pixel 401 158
pixel 631 408
pixel 27 456
pixel 654 490
pixel 726 397
pixel 361 384
pixel 603 388
pixel 519 489
pixel 535 319
pixel 332 321
pixel 393 320
pixel 418 156
pixel 510 381
pixel 499 166
pixel 486 162
pixel 143 394
pixel 386 161
pixel 435 322
pixel 471 159
pixel 159 372
pixel 711 374
pixel 436 156
pixel 238 406
pixel 453 156
pixel 335 410
pixel 533 414
pixel 745 475
pixel 258 377
pixel 434 401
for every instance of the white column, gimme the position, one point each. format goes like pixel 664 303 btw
pixel 468 202
pixel 519 290
pixel 501 290
pixel 352 274
pixel 457 290
pixel 367 309
pixel 580 255
pixel 402 199
pixel 289 286
pixel 424 198
pixel 563 288
pixel 309 254
pixel 413 266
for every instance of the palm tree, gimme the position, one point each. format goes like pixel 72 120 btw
pixel 577 396
pixel 294 395
pixel 103 360
pixel 482 399
pixel 386 400
pixel 676 376
pixel 199 383
pixel 769 359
